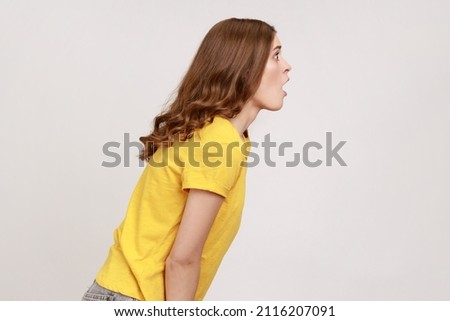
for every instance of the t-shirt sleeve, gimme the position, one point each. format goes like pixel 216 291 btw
pixel 212 166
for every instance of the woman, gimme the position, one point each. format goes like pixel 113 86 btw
pixel 186 208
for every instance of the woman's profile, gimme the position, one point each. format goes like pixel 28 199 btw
pixel 186 207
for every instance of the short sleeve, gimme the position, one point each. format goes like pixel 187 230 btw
pixel 212 166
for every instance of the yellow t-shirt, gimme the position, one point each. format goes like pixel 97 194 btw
pixel 214 160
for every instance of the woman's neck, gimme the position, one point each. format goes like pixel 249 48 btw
pixel 243 120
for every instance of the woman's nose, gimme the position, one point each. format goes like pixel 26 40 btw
pixel 287 67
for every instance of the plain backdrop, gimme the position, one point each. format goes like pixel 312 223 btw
pixel 76 75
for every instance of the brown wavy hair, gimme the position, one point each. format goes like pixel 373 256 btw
pixel 224 74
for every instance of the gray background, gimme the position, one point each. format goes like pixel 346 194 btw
pixel 75 75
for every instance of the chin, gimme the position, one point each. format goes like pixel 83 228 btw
pixel 275 107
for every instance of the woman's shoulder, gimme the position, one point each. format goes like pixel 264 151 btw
pixel 221 130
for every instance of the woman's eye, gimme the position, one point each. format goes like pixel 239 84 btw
pixel 277 56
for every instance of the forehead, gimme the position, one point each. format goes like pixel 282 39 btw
pixel 276 42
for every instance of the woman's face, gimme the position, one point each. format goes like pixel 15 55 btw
pixel 270 93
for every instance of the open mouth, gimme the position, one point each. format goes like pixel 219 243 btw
pixel 285 93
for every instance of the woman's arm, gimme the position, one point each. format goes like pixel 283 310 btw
pixel 183 263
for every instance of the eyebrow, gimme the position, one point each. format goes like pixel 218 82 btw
pixel 277 47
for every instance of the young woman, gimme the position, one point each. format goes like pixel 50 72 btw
pixel 186 208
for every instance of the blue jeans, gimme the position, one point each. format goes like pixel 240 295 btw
pixel 98 293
